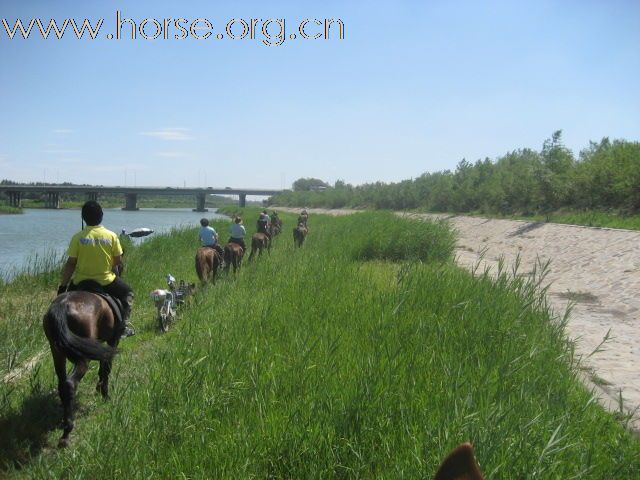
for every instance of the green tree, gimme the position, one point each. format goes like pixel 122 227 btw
pixel 308 184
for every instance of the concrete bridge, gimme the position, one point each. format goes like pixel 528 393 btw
pixel 91 192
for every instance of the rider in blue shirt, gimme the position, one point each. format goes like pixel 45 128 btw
pixel 209 237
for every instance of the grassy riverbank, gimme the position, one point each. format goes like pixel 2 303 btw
pixel 359 355
pixel 5 209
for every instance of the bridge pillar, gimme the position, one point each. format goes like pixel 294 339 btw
pixel 242 200
pixel 201 199
pixel 52 200
pixel 131 201
pixel 92 196
pixel 14 199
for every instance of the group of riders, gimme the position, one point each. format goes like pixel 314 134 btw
pixel 269 225
pixel 94 260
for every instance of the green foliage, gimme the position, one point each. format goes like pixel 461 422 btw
pixel 308 184
pixel 605 176
pixel 386 236
pixel 9 210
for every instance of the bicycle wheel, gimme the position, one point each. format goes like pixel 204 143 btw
pixel 163 318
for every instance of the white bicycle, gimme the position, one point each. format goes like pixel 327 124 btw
pixel 167 301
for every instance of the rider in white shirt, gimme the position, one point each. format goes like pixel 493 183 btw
pixel 238 232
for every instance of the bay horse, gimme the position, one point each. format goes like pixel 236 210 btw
pixel 275 228
pixel 207 263
pixel 259 242
pixel 233 254
pixel 460 464
pixel 76 324
pixel 299 234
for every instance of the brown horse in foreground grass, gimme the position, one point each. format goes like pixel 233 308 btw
pixel 233 254
pixel 76 324
pixel 259 242
pixel 207 263
pixel 460 464
pixel 299 234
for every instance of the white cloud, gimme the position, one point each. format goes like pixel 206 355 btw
pixel 171 134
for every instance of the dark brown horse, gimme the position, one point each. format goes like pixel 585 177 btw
pixel 460 464
pixel 259 242
pixel 76 324
pixel 299 234
pixel 207 263
pixel 233 254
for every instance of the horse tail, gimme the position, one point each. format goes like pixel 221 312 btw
pixel 74 347
pixel 202 266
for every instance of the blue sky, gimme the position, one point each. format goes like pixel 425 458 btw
pixel 414 86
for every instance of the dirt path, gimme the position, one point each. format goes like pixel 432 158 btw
pixel 598 269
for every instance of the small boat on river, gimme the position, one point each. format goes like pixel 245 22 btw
pixel 138 232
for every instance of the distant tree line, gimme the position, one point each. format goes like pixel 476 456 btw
pixel 605 175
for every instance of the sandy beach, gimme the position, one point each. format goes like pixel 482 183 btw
pixel 596 269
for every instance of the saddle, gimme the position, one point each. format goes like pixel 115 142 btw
pixel 94 287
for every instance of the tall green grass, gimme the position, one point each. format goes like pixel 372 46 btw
pixel 22 304
pixel 315 364
pixel 385 236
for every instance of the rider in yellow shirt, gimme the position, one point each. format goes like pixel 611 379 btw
pixel 95 254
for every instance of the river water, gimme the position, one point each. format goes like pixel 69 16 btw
pixel 46 233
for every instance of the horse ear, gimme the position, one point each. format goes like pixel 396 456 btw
pixel 460 464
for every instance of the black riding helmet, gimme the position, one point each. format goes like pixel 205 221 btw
pixel 92 213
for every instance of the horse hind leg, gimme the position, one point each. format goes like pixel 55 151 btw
pixel 228 260
pixel 67 390
pixel 103 382
pixel 214 270
pixel 103 375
